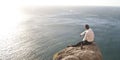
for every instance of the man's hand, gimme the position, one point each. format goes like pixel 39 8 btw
pixel 80 35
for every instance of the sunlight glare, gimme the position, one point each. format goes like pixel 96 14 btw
pixel 11 16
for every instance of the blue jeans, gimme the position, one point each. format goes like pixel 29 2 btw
pixel 82 43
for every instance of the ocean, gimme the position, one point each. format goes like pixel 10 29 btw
pixel 47 30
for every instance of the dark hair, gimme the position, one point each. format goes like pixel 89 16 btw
pixel 87 26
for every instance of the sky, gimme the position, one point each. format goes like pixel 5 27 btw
pixel 60 2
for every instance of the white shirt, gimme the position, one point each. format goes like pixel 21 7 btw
pixel 88 35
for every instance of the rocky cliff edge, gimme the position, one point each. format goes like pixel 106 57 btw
pixel 89 52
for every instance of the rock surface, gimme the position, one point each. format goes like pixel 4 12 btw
pixel 89 52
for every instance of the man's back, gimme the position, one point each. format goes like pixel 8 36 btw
pixel 89 35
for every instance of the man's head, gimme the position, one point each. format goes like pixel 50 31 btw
pixel 87 26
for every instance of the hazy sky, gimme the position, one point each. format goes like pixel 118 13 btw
pixel 60 2
pixel 74 2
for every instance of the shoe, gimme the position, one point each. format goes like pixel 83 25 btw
pixel 70 46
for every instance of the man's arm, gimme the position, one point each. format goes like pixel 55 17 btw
pixel 82 33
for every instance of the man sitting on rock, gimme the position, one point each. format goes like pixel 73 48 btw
pixel 88 37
